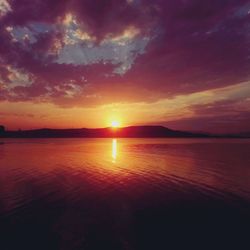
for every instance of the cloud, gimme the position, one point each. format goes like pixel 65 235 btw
pixel 226 111
pixel 98 52
pixel 121 51
pixel 4 8
pixel 222 124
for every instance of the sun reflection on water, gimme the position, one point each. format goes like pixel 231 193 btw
pixel 114 150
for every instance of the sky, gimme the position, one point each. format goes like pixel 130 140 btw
pixel 183 64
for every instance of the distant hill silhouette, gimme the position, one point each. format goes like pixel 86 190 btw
pixel 238 135
pixel 2 129
pixel 126 132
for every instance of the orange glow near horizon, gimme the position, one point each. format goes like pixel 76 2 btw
pixel 176 113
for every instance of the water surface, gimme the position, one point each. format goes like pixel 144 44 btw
pixel 124 193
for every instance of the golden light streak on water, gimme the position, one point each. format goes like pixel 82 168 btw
pixel 114 150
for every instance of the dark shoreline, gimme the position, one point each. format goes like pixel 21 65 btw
pixel 126 132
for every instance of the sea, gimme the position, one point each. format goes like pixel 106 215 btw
pixel 118 193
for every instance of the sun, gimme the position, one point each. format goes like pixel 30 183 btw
pixel 115 124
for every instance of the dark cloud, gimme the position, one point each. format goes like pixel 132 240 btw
pixel 194 45
pixel 203 46
pixel 219 124
pixel 228 107
pixel 228 116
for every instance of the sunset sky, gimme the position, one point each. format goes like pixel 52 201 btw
pixel 184 64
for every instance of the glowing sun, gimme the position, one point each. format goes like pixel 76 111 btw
pixel 115 124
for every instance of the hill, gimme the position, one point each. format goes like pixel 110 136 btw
pixel 126 132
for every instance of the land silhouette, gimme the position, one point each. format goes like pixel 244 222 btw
pixel 109 132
